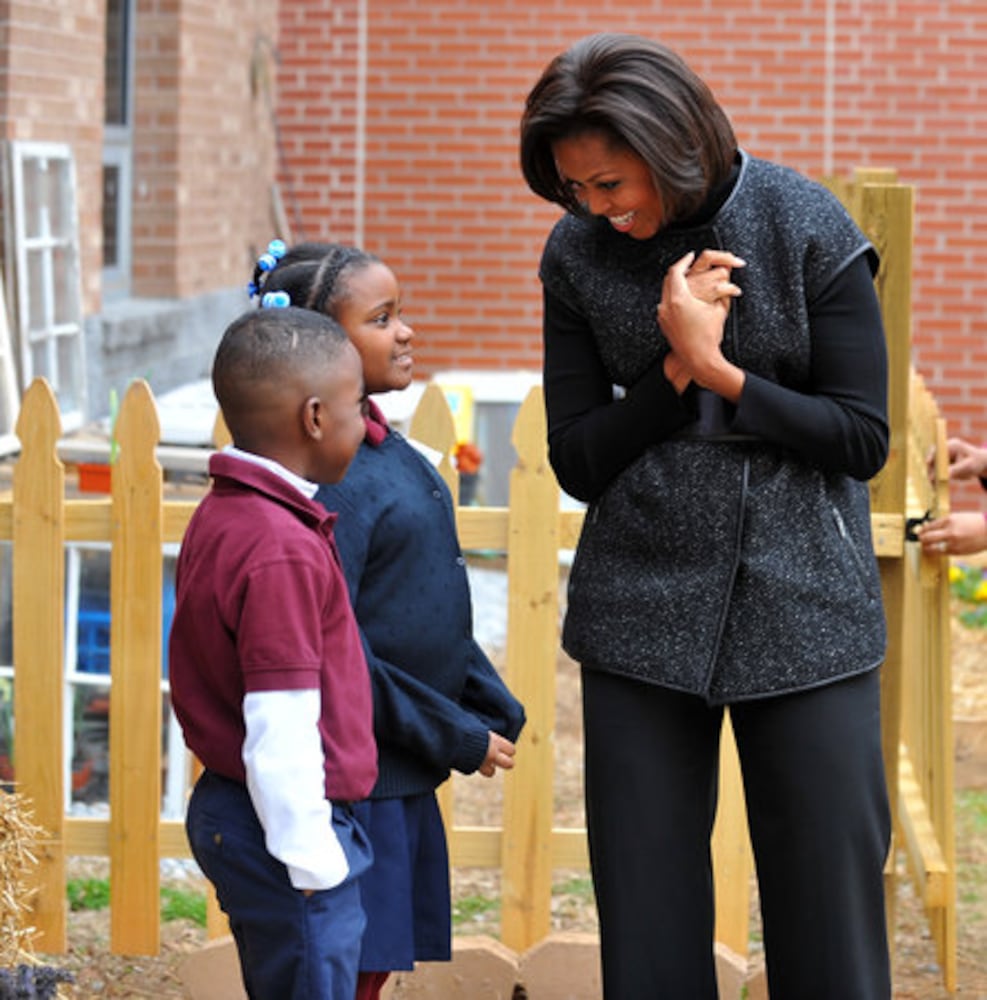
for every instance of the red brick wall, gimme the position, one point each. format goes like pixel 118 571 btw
pixel 318 110
pixel 203 134
pixel 445 206
pixel 203 143
pixel 52 82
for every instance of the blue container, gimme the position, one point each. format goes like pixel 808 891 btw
pixel 93 639
pixel 93 632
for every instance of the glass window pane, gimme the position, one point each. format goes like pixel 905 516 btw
pixel 116 62
pixel 59 204
pixel 69 363
pixel 65 287
pixel 42 363
pixel 37 285
pixel 6 734
pixel 6 605
pixel 90 743
pixel 93 630
pixel 111 215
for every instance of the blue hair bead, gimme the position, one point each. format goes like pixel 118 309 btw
pixel 275 300
pixel 267 262
pixel 277 249
pixel 252 288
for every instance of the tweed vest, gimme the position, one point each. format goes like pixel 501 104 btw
pixel 731 569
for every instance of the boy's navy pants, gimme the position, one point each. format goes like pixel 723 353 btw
pixel 291 946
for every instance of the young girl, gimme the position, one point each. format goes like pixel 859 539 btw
pixel 439 703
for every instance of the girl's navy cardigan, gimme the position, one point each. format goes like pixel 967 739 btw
pixel 436 693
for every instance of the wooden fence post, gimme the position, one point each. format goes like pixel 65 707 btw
pixel 532 649
pixel 925 772
pixel 733 858
pixel 885 215
pixel 39 633
pixel 135 666
pixel 432 425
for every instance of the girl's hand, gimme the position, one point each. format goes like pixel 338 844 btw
pixel 500 753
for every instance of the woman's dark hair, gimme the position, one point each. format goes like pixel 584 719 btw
pixel 643 97
pixel 310 273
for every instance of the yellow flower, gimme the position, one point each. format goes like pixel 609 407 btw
pixel 980 594
pixel 955 573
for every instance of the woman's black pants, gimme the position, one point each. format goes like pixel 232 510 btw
pixel 819 822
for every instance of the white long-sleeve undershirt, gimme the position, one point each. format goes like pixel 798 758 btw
pixel 284 760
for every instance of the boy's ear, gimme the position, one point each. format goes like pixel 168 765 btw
pixel 312 418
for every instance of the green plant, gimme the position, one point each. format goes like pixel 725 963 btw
pixel 971 808
pixel 88 893
pixel 114 413
pixel 183 904
pixel 471 907
pixel 969 586
pixel 177 903
pixel 971 830
pixel 579 885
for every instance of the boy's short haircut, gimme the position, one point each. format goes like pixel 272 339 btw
pixel 262 345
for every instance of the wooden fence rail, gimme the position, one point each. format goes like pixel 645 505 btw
pixel 137 520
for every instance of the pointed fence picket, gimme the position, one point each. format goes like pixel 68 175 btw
pixel 38 518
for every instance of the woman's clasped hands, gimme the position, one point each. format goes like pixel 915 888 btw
pixel 695 301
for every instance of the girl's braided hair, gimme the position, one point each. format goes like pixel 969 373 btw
pixel 309 273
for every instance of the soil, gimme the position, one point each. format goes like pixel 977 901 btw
pixel 917 975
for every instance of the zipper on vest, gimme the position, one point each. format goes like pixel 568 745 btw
pixel 725 607
pixel 848 540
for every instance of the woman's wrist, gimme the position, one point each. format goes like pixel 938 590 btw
pixel 725 379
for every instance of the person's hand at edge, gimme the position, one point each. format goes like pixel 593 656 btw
pixel 958 534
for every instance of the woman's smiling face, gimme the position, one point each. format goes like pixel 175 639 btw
pixel 611 181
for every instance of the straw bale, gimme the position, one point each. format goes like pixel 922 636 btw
pixel 19 837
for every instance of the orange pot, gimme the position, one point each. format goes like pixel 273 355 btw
pixel 94 477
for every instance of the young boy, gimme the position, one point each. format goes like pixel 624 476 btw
pixel 268 677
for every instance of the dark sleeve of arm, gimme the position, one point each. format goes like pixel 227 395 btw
pixel 591 435
pixel 488 698
pixel 422 721
pixel 839 422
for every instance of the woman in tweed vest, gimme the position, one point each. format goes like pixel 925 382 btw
pixel 715 382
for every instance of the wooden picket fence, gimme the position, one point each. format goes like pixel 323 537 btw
pixel 137 520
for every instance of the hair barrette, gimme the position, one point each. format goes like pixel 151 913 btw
pixel 275 300
pixel 268 260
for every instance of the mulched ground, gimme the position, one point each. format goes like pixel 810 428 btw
pixel 478 801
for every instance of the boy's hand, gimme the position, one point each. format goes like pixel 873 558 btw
pixel 500 753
